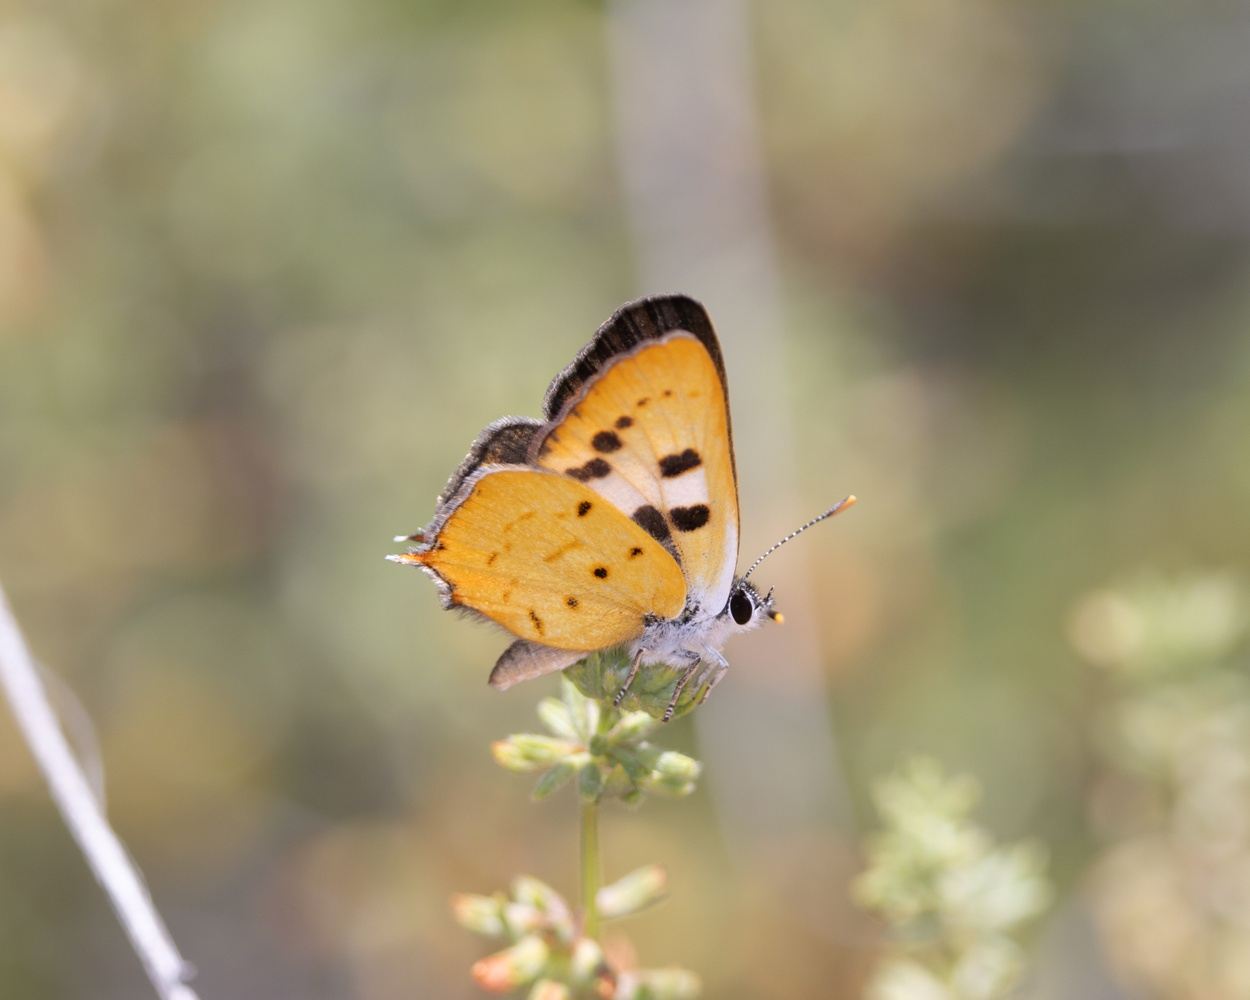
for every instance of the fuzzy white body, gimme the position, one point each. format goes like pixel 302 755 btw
pixel 679 643
pixel 692 643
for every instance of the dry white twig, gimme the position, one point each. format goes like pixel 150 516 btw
pixel 81 811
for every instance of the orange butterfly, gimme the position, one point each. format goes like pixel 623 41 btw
pixel 615 521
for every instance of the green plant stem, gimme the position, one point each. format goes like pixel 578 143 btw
pixel 591 871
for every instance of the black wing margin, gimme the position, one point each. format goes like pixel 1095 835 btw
pixel 505 442
pixel 634 323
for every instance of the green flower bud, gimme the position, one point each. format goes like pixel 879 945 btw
pixel 673 767
pixel 522 918
pixel 538 894
pixel 547 989
pixel 480 914
pixel 587 965
pixel 531 751
pixel 513 967
pixel 635 891
pixel 659 984
pixel 670 772
pixel 556 716
pixel 676 789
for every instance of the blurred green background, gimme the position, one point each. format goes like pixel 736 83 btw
pixel 267 267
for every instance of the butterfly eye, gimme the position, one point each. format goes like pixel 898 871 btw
pixel 741 607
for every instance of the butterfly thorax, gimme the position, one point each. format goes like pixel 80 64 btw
pixel 695 635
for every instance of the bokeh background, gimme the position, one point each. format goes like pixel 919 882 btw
pixel 266 267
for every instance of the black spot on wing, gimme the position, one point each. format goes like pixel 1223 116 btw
pixel 572 602
pixel 675 465
pixel 601 572
pixel 596 468
pixel 583 508
pixel 635 552
pixel 623 422
pixel 690 518
pixel 652 522
pixel 538 622
pixel 606 441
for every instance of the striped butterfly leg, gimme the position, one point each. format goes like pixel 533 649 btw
pixel 717 672
pixel 686 676
pixel 633 672
pixel 713 668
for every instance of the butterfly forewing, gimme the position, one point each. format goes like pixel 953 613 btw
pixel 650 433
pixel 550 560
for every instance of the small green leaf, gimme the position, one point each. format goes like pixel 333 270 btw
pixel 553 780
pixel 632 764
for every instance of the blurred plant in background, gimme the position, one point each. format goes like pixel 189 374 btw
pixel 554 949
pixel 1172 889
pixel 955 901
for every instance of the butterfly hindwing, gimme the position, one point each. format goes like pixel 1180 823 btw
pixel 642 418
pixel 548 559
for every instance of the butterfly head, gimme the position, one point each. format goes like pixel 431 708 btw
pixel 747 608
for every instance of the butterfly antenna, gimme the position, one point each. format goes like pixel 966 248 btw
pixel 841 505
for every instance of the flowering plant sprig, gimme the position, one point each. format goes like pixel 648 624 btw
pixel 607 750
pixel 954 900
pixel 553 948
pixel 547 952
